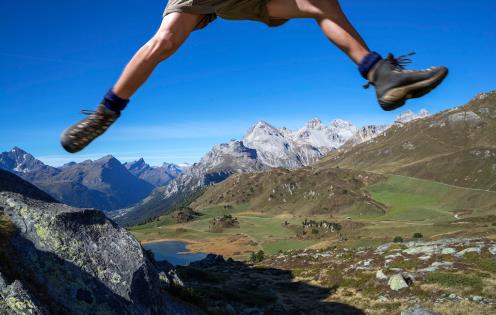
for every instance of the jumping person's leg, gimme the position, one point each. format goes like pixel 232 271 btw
pixel 331 19
pixel 393 84
pixel 173 31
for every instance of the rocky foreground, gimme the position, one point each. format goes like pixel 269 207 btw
pixel 55 259
pixel 449 276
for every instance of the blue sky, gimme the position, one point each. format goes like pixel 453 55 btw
pixel 58 57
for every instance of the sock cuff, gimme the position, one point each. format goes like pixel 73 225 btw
pixel 113 102
pixel 368 62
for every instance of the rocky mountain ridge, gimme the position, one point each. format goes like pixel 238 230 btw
pixel 155 175
pixel 105 183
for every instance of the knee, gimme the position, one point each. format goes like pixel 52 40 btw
pixel 161 46
pixel 321 8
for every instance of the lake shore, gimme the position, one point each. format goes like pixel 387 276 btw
pixel 235 246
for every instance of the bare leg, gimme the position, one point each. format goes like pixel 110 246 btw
pixel 331 19
pixel 173 31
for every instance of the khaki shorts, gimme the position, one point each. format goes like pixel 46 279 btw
pixel 255 10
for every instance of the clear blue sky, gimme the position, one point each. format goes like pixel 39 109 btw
pixel 57 57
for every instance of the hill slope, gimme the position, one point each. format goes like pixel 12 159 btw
pixel 311 191
pixel 457 147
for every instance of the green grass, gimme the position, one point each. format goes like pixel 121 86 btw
pixel 284 245
pixel 406 264
pixel 415 206
pixel 266 230
pixel 411 199
pixel 466 282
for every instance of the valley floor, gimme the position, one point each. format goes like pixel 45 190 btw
pixel 443 254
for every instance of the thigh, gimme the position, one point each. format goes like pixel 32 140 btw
pixel 290 9
pixel 179 25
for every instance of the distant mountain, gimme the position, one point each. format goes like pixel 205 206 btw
pixel 277 148
pixel 22 163
pixel 217 165
pixel 456 146
pixel 104 184
pixel 157 176
pixel 262 148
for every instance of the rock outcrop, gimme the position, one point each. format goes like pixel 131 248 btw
pixel 76 261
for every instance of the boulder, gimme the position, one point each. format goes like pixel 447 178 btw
pixel 397 282
pixel 379 275
pixel 83 262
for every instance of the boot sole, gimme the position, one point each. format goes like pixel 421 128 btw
pixel 397 97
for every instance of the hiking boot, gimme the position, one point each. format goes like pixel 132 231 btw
pixel 78 136
pixel 394 84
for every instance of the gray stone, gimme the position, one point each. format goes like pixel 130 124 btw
pixel 477 298
pixel 379 275
pixel 397 282
pixel 468 250
pixel 417 310
pixel 15 299
pixel 3 283
pixel 492 249
pixel 436 265
pixel 422 249
pixel 448 251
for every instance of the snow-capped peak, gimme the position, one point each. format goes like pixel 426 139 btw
pixel 409 115
pixel 342 124
pixel 315 123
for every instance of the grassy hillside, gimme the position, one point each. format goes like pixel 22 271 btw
pixel 457 147
pixel 412 206
pixel 418 200
pixel 307 191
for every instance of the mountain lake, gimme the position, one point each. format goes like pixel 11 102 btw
pixel 174 252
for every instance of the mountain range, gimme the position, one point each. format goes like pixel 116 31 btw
pixel 142 191
pixel 263 147
pixel 105 184
pixel 455 147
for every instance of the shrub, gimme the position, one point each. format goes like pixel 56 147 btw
pixel 258 256
pixel 417 235
pixel 398 239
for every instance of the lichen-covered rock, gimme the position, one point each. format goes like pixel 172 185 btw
pixel 14 299
pixel 84 262
pixel 397 282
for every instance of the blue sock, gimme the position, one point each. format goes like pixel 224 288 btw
pixel 368 62
pixel 114 102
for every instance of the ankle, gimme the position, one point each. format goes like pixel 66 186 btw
pixel 114 102
pixel 368 63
